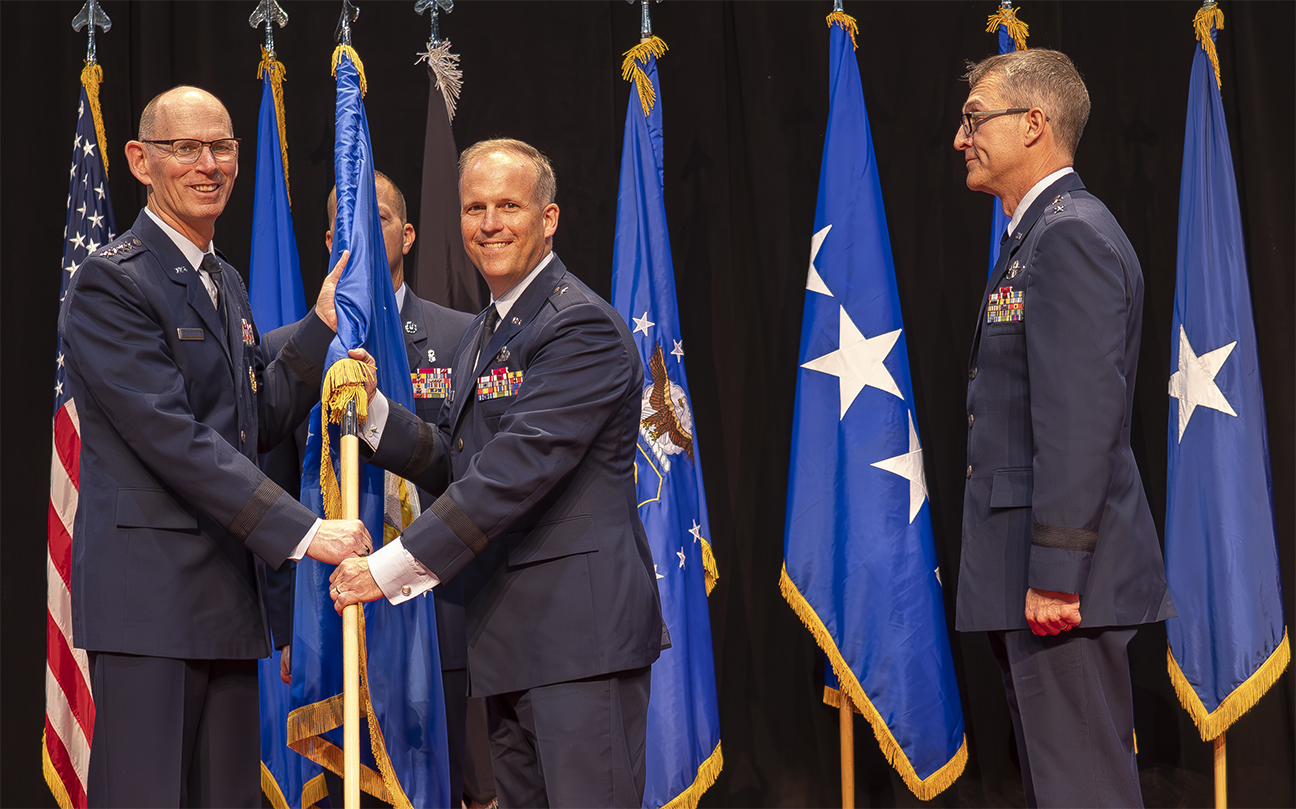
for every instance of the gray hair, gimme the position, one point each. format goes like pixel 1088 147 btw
pixel 1039 78
pixel 546 187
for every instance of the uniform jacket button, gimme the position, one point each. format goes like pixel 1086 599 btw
pixel 242 437
pixel 460 445
pixel 972 374
pixel 969 472
pixel 971 420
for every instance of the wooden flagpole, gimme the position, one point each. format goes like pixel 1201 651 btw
pixel 350 485
pixel 846 719
pixel 1221 774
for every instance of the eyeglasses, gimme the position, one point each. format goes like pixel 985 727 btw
pixel 188 150
pixel 971 120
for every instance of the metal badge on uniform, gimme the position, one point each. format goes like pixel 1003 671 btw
pixel 1006 306
pixel 252 378
pixel 179 270
pixel 249 338
pixel 516 320
pixel 1014 270
pixel 431 383
pixel 1057 204
pixel 503 355
pixel 431 355
pixel 190 334
pixel 410 327
pixel 498 383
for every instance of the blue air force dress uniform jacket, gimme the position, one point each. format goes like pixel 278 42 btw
pixel 1053 498
pixel 539 518
pixel 174 402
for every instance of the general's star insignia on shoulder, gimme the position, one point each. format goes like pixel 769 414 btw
pixel 1008 305
pixel 1057 204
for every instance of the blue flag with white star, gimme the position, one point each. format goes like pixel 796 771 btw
pixel 859 556
pixel 275 293
pixel 407 763
pixel 683 756
pixel 1229 643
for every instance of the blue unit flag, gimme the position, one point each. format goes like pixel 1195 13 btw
pixel 683 753
pixel 1229 643
pixel 406 762
pixel 275 292
pixel 859 555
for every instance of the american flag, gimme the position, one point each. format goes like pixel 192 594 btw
pixel 69 707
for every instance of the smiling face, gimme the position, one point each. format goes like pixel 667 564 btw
pixel 187 196
pixel 506 230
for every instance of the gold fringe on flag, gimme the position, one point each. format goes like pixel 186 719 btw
pixel 1212 723
pixel 708 772
pixel 1007 17
pixel 344 383
pixel 277 75
pixel 652 46
pixel 270 788
pixel 709 564
pixel 314 791
pixel 52 777
pixel 846 22
pixel 1207 17
pixel 355 60
pixel 923 789
pixel 444 67
pixel 91 78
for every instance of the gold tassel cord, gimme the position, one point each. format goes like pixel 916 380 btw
pixel 847 23
pixel 709 564
pixel 277 73
pixel 1007 17
pixel 91 78
pixel 344 383
pixel 653 46
pixel 355 60
pixel 1210 724
pixel 270 788
pixel 1207 17
pixel 708 772
pixel 923 788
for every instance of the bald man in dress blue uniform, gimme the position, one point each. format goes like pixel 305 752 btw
pixel 1061 562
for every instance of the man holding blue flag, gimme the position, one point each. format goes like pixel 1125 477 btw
pixel 1060 561
pixel 175 522
pixel 535 456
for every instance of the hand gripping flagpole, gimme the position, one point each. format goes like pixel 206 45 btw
pixel 350 473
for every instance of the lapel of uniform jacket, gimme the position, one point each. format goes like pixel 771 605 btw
pixel 231 293
pixel 416 335
pixel 520 314
pixel 177 268
pixel 1009 250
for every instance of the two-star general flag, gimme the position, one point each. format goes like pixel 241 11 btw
pixel 859 556
pixel 683 756
pixel 69 706
pixel 1229 643
pixel 275 292
pixel 406 763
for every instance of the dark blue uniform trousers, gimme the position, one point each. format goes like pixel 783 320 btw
pixel 174 732
pixel 1073 714
pixel 575 744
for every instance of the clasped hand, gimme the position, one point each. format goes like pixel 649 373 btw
pixel 1049 612
pixel 353 583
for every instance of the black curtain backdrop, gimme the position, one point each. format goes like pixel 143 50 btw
pixel 745 102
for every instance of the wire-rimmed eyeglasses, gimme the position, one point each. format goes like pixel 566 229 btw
pixel 188 150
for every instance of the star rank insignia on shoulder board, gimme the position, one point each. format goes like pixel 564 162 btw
pixel 1058 207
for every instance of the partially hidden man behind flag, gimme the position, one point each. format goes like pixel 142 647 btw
pixel 69 706
pixel 1012 34
pixel 403 755
pixel 859 556
pixel 277 299
pixel 1229 643
pixel 683 757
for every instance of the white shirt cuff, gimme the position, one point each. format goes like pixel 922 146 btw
pixel 376 420
pixel 302 546
pixel 398 574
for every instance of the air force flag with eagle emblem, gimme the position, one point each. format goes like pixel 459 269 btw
pixel 683 754
pixel 859 556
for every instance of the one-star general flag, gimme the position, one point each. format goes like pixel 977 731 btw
pixel 275 292
pixel 406 764
pixel 859 555
pixel 69 706
pixel 683 756
pixel 1229 643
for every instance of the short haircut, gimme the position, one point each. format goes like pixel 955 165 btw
pixel 148 118
pixel 330 208
pixel 546 188
pixel 1039 78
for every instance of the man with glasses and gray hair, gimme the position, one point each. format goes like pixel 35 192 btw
pixel 174 521
pixel 1060 561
